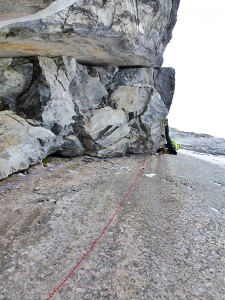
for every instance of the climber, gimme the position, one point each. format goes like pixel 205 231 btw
pixel 171 146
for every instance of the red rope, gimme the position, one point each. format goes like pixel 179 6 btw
pixel 122 202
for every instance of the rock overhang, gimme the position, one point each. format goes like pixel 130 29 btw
pixel 131 33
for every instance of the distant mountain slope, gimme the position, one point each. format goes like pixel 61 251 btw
pixel 202 143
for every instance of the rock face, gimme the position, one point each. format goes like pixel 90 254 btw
pixel 84 102
pixel 13 8
pixel 123 33
pixel 22 144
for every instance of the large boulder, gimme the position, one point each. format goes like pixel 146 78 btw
pixel 152 124
pixel 100 111
pixel 21 144
pixel 47 99
pixel 14 79
pixel 106 133
pixel 102 32
pixel 164 79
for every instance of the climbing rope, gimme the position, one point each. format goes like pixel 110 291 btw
pixel 27 177
pixel 121 205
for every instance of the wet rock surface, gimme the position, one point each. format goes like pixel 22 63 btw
pixel 166 243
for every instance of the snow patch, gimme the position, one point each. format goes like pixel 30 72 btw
pixel 214 209
pixel 150 175
pixel 218 160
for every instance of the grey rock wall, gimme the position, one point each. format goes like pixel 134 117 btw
pixel 106 96
pixel 100 32
pixel 13 9
pixel 22 144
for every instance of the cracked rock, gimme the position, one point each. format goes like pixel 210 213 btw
pixel 84 77
pixel 106 133
pixel 22 145
pixel 122 33
pixel 99 111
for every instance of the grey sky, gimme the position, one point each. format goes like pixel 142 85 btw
pixel 197 52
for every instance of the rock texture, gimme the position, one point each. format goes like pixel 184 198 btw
pixel 128 32
pixel 106 96
pixel 166 243
pixel 21 144
pixel 199 142
pixel 13 8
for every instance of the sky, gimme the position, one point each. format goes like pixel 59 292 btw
pixel 197 52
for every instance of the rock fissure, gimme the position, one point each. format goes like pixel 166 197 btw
pixel 60 82
pixel 14 119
